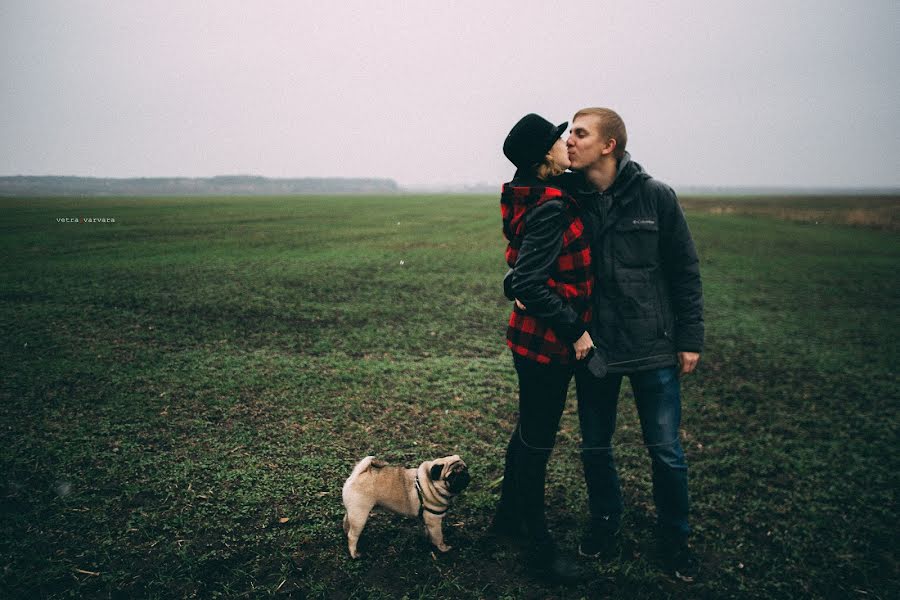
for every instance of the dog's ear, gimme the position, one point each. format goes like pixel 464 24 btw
pixel 436 471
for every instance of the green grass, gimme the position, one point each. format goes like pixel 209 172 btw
pixel 178 383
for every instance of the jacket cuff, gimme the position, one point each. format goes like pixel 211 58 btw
pixel 507 285
pixel 570 333
pixel 689 338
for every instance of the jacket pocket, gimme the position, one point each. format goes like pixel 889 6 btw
pixel 636 297
pixel 637 242
pixel 636 337
pixel 663 318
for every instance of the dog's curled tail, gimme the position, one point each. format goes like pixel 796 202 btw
pixel 369 462
pixel 362 466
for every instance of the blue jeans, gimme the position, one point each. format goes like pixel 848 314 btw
pixel 657 394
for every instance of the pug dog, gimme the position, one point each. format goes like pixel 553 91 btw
pixel 423 492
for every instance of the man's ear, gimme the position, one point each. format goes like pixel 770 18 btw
pixel 436 471
pixel 611 144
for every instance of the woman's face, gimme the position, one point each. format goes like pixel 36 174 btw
pixel 560 153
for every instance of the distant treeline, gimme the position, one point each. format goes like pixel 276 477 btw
pixel 252 185
pixel 227 185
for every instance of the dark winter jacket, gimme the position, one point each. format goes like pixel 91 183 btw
pixel 648 303
pixel 549 252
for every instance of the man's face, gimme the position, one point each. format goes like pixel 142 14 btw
pixel 585 144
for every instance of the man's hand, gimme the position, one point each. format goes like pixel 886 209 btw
pixel 688 361
pixel 520 305
pixel 583 345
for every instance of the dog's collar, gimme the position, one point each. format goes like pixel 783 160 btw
pixel 422 507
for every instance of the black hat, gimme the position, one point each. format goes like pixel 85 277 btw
pixel 530 139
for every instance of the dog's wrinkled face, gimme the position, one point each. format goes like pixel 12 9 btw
pixel 458 477
pixel 452 470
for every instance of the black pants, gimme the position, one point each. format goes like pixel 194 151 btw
pixel 542 398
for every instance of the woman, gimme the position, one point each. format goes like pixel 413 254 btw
pixel 550 260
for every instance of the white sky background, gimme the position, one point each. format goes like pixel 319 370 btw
pixel 792 93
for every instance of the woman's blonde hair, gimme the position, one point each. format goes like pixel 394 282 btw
pixel 548 168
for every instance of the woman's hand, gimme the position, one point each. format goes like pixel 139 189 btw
pixel 583 346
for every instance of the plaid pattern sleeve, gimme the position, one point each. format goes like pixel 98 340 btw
pixel 515 202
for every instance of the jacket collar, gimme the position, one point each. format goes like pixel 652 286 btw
pixel 628 173
pixel 527 177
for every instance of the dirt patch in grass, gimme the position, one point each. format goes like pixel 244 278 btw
pixel 878 212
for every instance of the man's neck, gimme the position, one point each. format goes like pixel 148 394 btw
pixel 602 174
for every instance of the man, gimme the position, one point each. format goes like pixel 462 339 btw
pixel 647 324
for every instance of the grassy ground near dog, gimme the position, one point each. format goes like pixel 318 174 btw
pixel 185 390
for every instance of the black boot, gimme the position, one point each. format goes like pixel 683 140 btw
pixel 551 566
pixel 543 557
pixel 677 557
pixel 508 525
pixel 601 540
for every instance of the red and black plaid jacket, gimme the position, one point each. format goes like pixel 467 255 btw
pixel 571 276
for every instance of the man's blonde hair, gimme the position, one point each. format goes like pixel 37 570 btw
pixel 611 127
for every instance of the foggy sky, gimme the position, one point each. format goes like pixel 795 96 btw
pixel 791 93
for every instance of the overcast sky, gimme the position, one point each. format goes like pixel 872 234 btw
pixel 712 92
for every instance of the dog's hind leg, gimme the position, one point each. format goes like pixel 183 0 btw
pixel 354 522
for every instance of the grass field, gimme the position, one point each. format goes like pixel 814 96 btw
pixel 185 390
